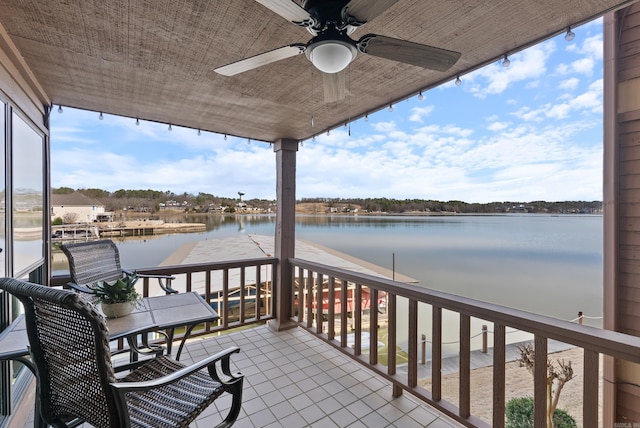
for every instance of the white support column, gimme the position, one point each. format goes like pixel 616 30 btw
pixel 285 236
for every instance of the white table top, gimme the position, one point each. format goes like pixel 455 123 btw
pixel 152 313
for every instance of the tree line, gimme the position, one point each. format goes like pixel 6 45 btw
pixel 150 200
pixel 388 205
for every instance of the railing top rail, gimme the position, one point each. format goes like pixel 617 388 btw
pixel 187 268
pixel 200 267
pixel 607 342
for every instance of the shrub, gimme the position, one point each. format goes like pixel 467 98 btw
pixel 519 413
pixel 57 222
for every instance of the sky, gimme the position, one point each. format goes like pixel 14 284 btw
pixel 530 131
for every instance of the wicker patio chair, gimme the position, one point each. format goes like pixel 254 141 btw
pixel 93 261
pixel 69 344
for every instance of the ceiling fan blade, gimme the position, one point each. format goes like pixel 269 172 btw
pixel 408 52
pixel 334 86
pixel 260 60
pixel 366 10
pixel 288 10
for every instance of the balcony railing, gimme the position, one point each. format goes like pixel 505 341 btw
pixel 367 299
pixel 338 306
pixel 241 291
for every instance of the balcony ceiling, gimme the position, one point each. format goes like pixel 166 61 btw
pixel 155 59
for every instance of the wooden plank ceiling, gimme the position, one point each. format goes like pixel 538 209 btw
pixel 154 59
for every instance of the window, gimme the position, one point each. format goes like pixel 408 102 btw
pixel 23 222
pixel 28 196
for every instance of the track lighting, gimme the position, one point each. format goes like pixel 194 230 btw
pixel 137 122
pixel 570 35
pixel 59 109
pixel 506 62
pixel 101 116
pixel 458 81
pixel 169 128
pixel 420 96
pixel 390 107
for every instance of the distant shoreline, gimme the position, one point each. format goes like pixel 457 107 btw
pixel 364 214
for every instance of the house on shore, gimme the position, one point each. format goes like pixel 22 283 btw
pixel 77 208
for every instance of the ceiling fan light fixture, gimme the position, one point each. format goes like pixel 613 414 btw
pixel 331 56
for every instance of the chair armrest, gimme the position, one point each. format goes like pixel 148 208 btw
pixel 166 288
pixel 122 388
pixel 79 288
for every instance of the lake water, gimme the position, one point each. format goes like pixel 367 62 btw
pixel 546 264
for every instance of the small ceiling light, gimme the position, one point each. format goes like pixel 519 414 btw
pixel 332 55
pixel 390 107
pixel 59 109
pixel 101 116
pixel 225 137
pixel 420 96
pixel 366 118
pixel 328 132
pixel 169 128
pixel 199 133
pixel 313 138
pixel 313 122
pixel 506 62
pixel 570 35
pixel 137 122
pixel 248 140
pixel 458 81
pixel 346 124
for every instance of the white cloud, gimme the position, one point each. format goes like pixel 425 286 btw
pixel 497 126
pixel 384 126
pixel 591 55
pixel 571 83
pixel 527 65
pixel 583 66
pixel 592 47
pixel 417 113
pixel 589 101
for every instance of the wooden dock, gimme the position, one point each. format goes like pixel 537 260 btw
pixel 122 228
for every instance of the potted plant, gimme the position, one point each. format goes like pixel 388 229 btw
pixel 119 297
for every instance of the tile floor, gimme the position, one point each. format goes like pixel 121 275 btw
pixel 294 380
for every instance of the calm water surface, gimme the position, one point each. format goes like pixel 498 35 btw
pixel 546 264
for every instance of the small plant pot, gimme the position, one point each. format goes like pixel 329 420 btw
pixel 117 310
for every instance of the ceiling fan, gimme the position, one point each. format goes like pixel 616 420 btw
pixel 331 49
